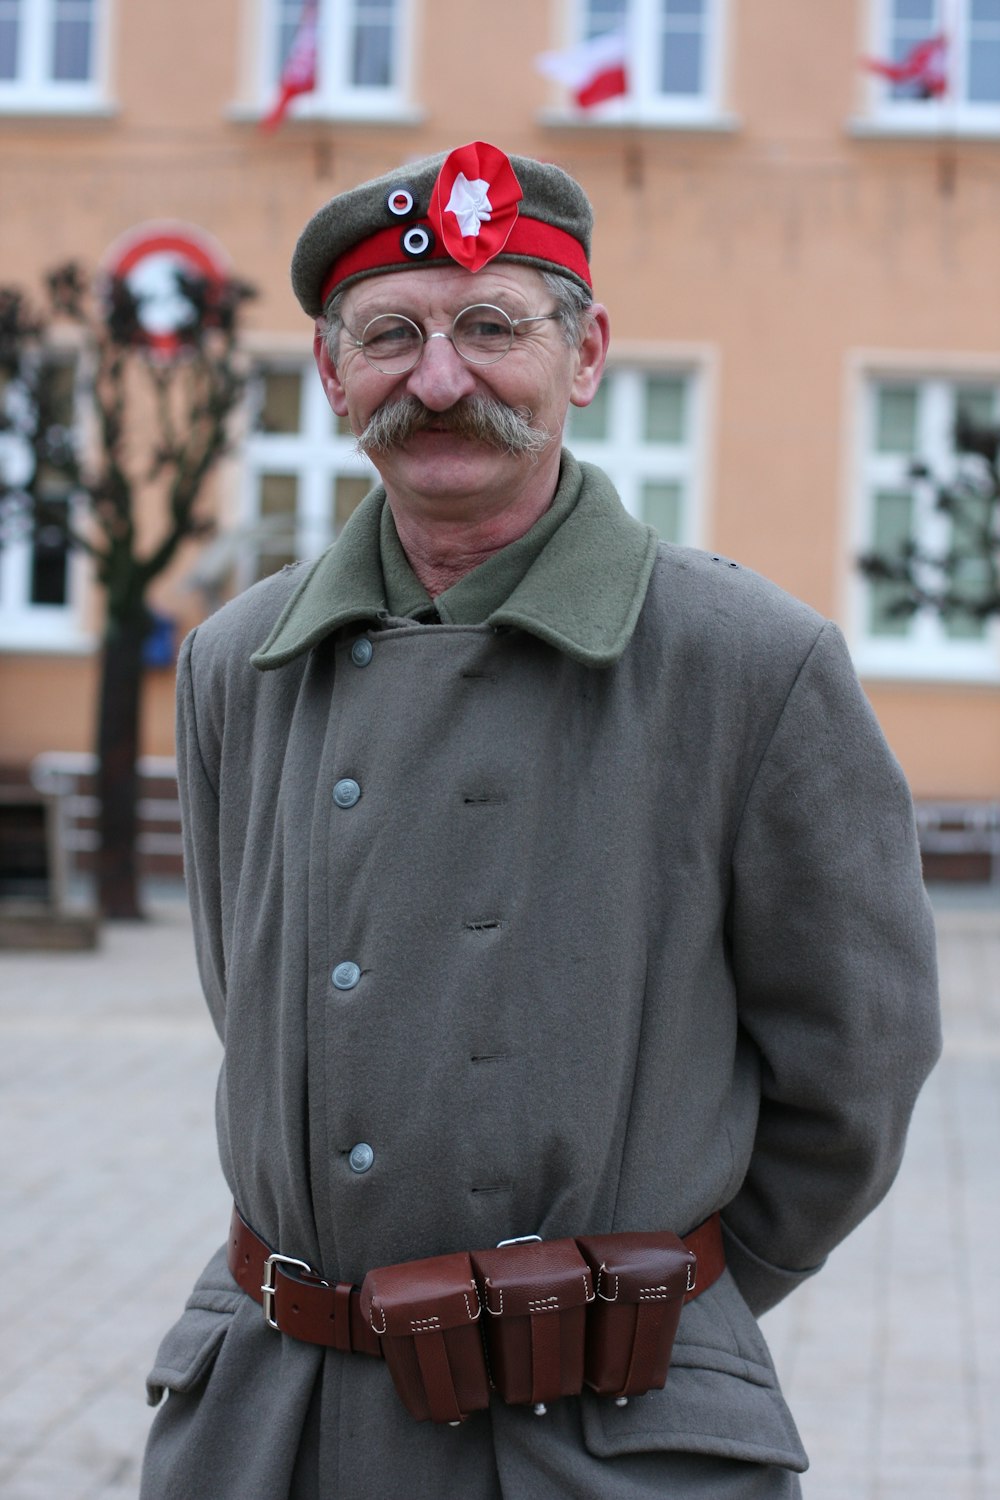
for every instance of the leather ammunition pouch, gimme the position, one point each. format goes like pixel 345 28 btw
pixel 426 1312
pixel 536 1294
pixel 532 1320
pixel 640 1283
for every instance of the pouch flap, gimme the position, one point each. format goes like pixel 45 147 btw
pixel 639 1267
pixel 533 1277
pixel 420 1296
pixel 187 1352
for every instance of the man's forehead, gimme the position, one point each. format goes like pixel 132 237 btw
pixel 444 288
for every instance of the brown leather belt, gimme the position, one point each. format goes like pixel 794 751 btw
pixel 297 1301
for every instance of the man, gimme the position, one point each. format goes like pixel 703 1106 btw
pixel 546 881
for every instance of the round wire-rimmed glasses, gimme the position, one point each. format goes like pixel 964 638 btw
pixel 480 335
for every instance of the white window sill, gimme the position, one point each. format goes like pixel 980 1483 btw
pixel 874 665
pixel 30 639
pixel 391 114
pixel 52 107
pixel 935 127
pixel 695 121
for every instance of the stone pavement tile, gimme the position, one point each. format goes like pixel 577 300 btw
pixel 109 1074
pixel 919 1487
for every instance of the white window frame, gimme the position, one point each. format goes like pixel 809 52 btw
pixel 315 455
pixel 40 627
pixel 629 459
pixel 952 114
pixel 644 104
pixel 33 90
pixel 334 97
pixel 927 652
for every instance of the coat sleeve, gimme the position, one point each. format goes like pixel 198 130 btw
pixel 834 959
pixel 197 782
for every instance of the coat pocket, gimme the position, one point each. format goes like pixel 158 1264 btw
pixel 190 1348
pixel 721 1397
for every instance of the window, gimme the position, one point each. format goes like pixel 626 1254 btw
pixel 39 577
pixel 643 430
pixel 673 56
pixel 49 55
pixel 361 49
pixel 909 450
pixel 970 62
pixel 304 476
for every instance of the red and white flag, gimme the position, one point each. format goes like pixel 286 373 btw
pixel 593 71
pixel 926 65
pixel 298 76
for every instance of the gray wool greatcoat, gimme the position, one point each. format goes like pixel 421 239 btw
pixel 633 889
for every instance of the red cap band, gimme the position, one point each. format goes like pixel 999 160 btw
pixel 528 237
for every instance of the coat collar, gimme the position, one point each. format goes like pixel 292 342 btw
pixel 582 594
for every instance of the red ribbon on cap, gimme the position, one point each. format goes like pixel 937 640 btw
pixel 473 206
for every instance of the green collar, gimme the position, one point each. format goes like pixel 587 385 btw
pixel 582 594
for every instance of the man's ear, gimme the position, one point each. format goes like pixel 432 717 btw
pixel 592 353
pixel 328 372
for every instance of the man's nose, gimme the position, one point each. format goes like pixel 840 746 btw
pixel 441 376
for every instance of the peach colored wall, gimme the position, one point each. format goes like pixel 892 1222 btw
pixel 783 245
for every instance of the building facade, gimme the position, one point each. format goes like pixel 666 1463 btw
pixel 799 258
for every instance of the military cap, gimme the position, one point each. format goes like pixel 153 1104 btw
pixel 467 207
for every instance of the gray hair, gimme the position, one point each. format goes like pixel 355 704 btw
pixel 572 307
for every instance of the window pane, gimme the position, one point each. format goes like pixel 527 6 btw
pixel 59 393
pixel 8 38
pixel 893 528
pixel 984 70
pixel 590 423
pixel 985 10
pixel 50 558
pixel 372 67
pixel 896 421
pixel 604 16
pixel 661 507
pixel 681 47
pixel 922 11
pixel 664 415
pixel 276 508
pixel 280 402
pixel 289 13
pixel 71 41
pixel 680 69
pixel 348 492
pixel 975 404
pixel 371 64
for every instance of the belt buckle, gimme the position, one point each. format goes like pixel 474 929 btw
pixel 269 1285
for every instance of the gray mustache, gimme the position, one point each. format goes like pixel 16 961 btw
pixel 482 418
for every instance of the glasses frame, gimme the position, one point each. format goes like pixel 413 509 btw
pixel 425 338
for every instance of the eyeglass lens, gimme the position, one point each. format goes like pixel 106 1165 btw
pixel 481 334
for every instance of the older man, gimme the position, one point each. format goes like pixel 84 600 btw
pixel 547 881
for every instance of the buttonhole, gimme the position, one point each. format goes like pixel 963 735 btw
pixel 492 1187
pixel 489 1057
pixel 492 924
pixel 478 676
pixel 482 799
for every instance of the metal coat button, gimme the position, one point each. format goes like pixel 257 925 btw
pixel 362 651
pixel 346 792
pixel 345 976
pixel 361 1157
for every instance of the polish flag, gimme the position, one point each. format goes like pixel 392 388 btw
pixel 593 71
pixel 298 76
pixel 926 65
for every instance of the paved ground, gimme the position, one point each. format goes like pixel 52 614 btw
pixel 111 1200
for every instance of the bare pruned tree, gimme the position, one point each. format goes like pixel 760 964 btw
pixel 121 478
